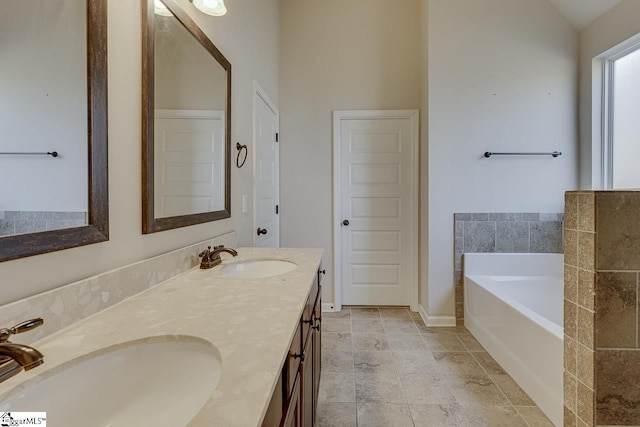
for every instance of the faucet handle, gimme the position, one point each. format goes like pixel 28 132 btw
pixel 25 326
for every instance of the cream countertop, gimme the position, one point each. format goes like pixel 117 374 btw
pixel 250 321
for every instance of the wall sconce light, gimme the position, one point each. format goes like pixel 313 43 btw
pixel 210 7
pixel 160 9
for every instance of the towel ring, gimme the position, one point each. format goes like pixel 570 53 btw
pixel 241 147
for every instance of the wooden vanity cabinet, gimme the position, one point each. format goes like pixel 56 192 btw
pixel 295 400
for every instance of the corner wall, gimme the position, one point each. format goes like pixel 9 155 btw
pixel 336 55
pixel 503 76
pixel 248 37
pixel 617 25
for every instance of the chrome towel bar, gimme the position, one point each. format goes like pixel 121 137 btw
pixel 48 153
pixel 553 154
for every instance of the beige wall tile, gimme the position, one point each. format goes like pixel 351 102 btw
pixel 571 283
pixel 586 250
pixel 570 391
pixel 585 404
pixel 570 319
pixel 569 418
pixel 586 212
pixel 571 247
pixel 618 230
pixel 570 355
pixel 571 211
pixel 616 316
pixel 586 289
pixel 585 368
pixel 586 328
pixel 618 393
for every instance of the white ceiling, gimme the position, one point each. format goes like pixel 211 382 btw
pixel 582 12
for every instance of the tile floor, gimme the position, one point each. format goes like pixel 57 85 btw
pixel 383 367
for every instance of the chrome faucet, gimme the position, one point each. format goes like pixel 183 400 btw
pixel 211 258
pixel 15 357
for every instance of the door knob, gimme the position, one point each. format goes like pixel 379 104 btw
pixel 345 222
pixel 262 231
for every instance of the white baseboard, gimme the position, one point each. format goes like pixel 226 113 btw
pixel 436 321
pixel 328 307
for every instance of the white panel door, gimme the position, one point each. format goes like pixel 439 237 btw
pixel 376 203
pixel 267 174
pixel 189 162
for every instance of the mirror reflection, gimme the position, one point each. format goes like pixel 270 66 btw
pixel 190 98
pixel 43 109
pixel 186 111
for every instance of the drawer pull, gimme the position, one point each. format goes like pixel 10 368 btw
pixel 317 327
pixel 299 356
pixel 310 321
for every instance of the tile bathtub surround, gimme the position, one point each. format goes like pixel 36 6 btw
pixel 503 233
pixel 419 377
pixel 602 275
pixel 20 222
pixel 63 306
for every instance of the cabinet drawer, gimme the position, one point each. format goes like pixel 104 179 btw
pixel 307 314
pixel 293 362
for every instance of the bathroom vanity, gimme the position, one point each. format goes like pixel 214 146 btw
pixel 248 347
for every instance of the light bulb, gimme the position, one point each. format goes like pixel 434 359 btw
pixel 160 9
pixel 211 7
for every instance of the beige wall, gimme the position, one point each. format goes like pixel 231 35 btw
pixel 503 76
pixel 248 36
pixel 611 29
pixel 336 55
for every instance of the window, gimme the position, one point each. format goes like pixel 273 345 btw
pixel 621 154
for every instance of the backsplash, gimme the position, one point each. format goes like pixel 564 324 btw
pixel 503 233
pixel 71 303
pixel 21 222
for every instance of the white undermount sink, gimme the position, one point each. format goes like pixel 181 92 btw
pixel 141 383
pixel 258 268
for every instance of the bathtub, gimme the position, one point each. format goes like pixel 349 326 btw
pixel 513 305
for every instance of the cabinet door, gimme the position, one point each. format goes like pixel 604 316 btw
pixel 306 385
pixel 317 352
pixel 293 414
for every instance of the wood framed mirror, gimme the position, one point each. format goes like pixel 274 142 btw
pixel 186 122
pixel 54 142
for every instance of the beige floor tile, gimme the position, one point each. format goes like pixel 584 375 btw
pixel 337 387
pixel 399 326
pixel 488 363
pixel 426 389
pixel 443 342
pixel 534 416
pixel 332 414
pixel 379 388
pixel 367 325
pixel 457 363
pixel 365 313
pixel 470 342
pixel 475 390
pixel 416 362
pixel 336 341
pixel 512 390
pixel 337 324
pixel 406 342
pixel 375 362
pixel 436 415
pixel 395 313
pixel 382 414
pixel 337 361
pixel 491 416
pixel 370 342
pixel 342 314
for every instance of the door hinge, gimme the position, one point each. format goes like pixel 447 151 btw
pixel 277 210
pixel 277 137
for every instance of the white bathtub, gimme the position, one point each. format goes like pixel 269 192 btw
pixel 513 305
